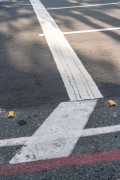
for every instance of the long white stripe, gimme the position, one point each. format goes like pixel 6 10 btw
pixel 83 6
pixel 100 130
pixel 85 133
pixel 77 81
pixel 71 7
pixel 88 31
pixel 58 135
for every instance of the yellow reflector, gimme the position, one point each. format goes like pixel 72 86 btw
pixel 111 103
pixel 11 114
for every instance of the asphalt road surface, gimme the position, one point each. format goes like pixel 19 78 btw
pixel 59 132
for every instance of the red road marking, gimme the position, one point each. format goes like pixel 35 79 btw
pixel 60 162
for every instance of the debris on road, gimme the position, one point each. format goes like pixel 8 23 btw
pixel 11 114
pixel 22 123
pixel 111 103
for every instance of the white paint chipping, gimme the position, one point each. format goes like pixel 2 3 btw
pixel 83 6
pixel 88 31
pixel 77 80
pixel 58 135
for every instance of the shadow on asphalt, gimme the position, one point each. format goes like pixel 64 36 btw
pixel 28 73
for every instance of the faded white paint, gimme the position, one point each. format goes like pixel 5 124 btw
pixel 77 80
pixel 71 7
pixel 58 135
pixel 82 6
pixel 88 31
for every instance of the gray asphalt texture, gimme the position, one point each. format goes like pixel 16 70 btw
pixel 104 171
pixel 30 83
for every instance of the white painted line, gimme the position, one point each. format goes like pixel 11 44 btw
pixel 101 130
pixel 71 7
pixel 83 6
pixel 85 133
pixel 77 80
pixel 92 30
pixel 58 135
pixel 14 141
pixel 88 31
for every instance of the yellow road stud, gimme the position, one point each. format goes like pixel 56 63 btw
pixel 111 103
pixel 11 114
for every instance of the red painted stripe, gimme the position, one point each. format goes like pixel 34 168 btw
pixel 60 162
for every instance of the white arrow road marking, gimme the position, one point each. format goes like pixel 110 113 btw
pixel 77 80
pixel 58 135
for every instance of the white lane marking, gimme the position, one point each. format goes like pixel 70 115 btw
pixel 57 136
pixel 88 31
pixel 85 133
pixel 100 130
pixel 14 141
pixel 71 7
pixel 83 6
pixel 77 80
